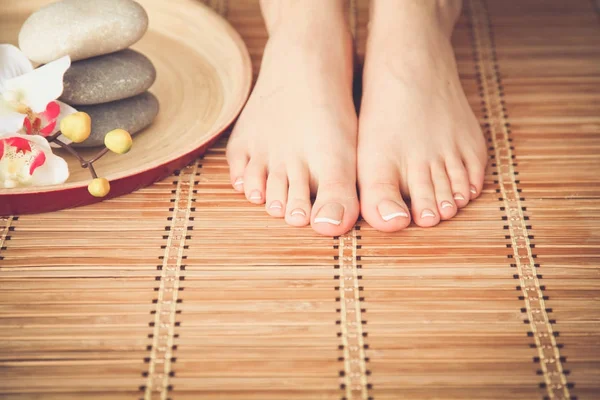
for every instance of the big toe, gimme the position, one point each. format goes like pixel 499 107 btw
pixel 382 206
pixel 335 210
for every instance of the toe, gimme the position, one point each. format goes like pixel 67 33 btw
pixel 276 195
pixel 422 195
pixel 255 181
pixel 381 202
pixel 443 192
pixel 459 181
pixel 336 207
pixel 476 172
pixel 237 160
pixel 297 210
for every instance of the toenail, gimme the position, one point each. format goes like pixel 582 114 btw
pixel 458 196
pixel 473 190
pixel 276 205
pixel 389 210
pixel 255 195
pixel 298 211
pixel 238 183
pixel 388 217
pixel 330 213
pixel 427 214
pixel 447 204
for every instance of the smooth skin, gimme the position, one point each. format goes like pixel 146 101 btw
pixel 299 137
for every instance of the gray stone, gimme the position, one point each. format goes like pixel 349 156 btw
pixel 132 114
pixel 107 78
pixel 82 29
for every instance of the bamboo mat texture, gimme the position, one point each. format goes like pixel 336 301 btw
pixel 184 290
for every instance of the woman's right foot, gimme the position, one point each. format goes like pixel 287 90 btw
pixel 296 137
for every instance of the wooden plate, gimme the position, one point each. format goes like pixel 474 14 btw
pixel 203 80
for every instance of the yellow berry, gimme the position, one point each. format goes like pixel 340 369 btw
pixel 99 187
pixel 77 126
pixel 118 140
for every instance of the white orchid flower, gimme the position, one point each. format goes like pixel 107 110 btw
pixel 27 160
pixel 28 96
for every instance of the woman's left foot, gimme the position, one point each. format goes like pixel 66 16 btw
pixel 418 136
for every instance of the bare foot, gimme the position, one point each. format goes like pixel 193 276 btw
pixel 418 136
pixel 296 136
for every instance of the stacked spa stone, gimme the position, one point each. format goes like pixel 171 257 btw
pixel 106 79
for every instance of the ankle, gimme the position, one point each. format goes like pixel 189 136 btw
pixel 448 12
pixel 411 39
pixel 304 17
pixel 416 15
pixel 317 31
pixel 414 33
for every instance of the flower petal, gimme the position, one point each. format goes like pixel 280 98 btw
pixel 10 120
pixel 46 169
pixel 13 63
pixel 54 171
pixel 37 162
pixel 65 110
pixel 41 86
pixel 38 140
pixel 52 111
pixel 48 119
pixel 21 143
pixel 48 129
pixel 27 126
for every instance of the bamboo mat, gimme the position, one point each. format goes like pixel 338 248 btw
pixel 183 290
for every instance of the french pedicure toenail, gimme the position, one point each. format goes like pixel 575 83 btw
pixel 473 190
pixel 238 183
pixel 447 204
pixel 389 210
pixel 255 195
pixel 331 213
pixel 458 196
pixel 298 211
pixel 427 214
pixel 276 205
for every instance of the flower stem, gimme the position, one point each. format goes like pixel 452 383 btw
pixel 92 170
pixel 54 137
pixel 84 163
pixel 99 155
pixel 73 152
